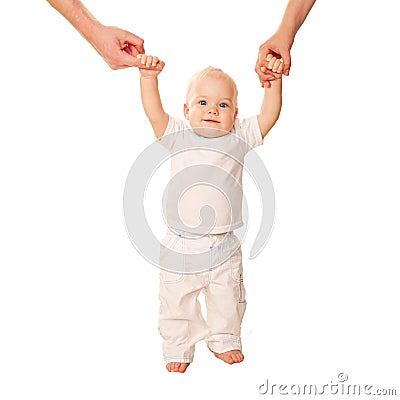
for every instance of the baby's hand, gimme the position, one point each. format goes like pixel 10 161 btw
pixel 150 66
pixel 274 66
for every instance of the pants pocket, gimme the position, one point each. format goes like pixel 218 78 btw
pixel 237 275
pixel 236 266
pixel 169 278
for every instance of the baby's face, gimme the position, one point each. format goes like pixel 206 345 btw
pixel 211 104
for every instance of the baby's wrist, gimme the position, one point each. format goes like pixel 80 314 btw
pixel 148 77
pixel 276 82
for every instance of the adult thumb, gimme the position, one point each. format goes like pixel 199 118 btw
pixel 129 60
pixel 287 62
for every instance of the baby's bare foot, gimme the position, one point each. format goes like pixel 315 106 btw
pixel 177 367
pixel 231 356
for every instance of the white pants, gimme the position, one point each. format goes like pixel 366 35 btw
pixel 181 322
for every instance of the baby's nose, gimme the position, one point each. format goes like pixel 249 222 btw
pixel 212 110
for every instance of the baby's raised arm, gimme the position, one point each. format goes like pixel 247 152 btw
pixel 151 100
pixel 272 102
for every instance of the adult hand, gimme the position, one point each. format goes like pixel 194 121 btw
pixel 279 46
pixel 118 47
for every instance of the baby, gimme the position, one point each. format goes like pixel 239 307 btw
pixel 200 253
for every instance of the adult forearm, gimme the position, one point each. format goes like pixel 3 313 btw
pixel 77 14
pixel 295 14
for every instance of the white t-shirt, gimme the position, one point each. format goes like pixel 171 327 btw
pixel 205 190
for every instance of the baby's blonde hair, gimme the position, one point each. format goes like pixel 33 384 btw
pixel 204 73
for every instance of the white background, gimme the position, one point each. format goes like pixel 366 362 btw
pixel 79 306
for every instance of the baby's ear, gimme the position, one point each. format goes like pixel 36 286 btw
pixel 236 112
pixel 186 111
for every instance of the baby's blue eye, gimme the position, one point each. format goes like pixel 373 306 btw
pixel 202 102
pixel 223 105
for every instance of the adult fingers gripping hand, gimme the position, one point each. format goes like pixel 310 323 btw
pixel 117 46
pixel 279 46
pixel 264 75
